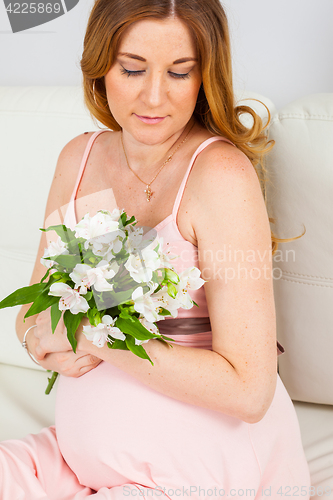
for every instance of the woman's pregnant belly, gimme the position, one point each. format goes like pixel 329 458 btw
pixel 114 430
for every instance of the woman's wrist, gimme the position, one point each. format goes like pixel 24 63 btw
pixel 29 333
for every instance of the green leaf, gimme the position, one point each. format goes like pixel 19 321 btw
pixel 55 316
pixel 24 295
pixel 134 327
pixel 171 275
pixel 58 276
pixel 95 316
pixel 46 275
pixel 67 261
pixel 118 344
pixel 63 231
pixel 89 258
pixel 42 302
pixel 138 350
pixel 107 300
pixel 72 322
pixel 125 314
pixel 67 236
pixel 123 297
pixel 172 290
pixel 166 338
pixel 164 312
pixel 123 218
pixel 124 221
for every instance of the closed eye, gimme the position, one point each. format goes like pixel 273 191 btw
pixel 127 72
pixel 179 75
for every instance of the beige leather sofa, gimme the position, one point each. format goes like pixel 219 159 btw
pixel 36 122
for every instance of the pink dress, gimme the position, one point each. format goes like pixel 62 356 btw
pixel 115 437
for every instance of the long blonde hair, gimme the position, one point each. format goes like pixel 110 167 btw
pixel 215 108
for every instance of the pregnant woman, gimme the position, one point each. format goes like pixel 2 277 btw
pixel 211 418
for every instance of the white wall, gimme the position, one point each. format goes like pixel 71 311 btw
pixel 281 48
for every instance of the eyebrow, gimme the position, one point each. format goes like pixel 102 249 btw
pixel 139 58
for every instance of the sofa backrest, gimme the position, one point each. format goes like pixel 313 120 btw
pixel 300 193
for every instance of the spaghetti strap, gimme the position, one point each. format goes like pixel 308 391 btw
pixel 202 146
pixel 84 161
pixel 70 216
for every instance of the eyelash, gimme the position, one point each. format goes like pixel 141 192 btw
pixel 177 76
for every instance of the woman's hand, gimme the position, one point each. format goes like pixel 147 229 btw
pixel 54 352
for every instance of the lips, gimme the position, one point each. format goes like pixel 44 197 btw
pixel 150 120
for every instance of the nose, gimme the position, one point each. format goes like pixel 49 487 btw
pixel 154 91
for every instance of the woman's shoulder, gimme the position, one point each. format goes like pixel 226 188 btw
pixel 67 170
pixel 221 161
pixel 71 156
pixel 74 149
pixel 72 153
pixel 226 191
pixel 224 177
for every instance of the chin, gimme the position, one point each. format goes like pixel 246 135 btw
pixel 150 135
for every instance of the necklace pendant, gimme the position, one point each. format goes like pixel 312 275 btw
pixel 148 192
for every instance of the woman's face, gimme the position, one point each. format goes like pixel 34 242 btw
pixel 153 84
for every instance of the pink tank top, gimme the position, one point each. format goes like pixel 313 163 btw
pixel 175 243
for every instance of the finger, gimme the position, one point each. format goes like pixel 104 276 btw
pixel 84 364
pixel 61 362
pixel 84 357
pixel 40 353
pixel 44 348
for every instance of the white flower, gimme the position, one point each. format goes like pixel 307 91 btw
pixel 69 298
pixel 149 304
pixel 191 277
pixel 104 245
pixel 134 240
pixel 102 233
pixel 144 304
pixel 151 327
pixel 189 280
pixel 141 265
pixel 54 249
pixel 115 214
pixel 85 276
pixel 184 299
pixel 100 334
pixel 98 225
pixel 163 299
pixel 139 342
pixel 164 256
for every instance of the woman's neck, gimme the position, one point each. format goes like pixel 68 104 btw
pixel 146 159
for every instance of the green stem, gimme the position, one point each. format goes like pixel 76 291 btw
pixel 51 382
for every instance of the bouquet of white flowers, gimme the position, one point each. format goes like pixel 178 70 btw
pixel 116 275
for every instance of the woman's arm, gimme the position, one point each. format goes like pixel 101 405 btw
pixel 238 377
pixel 60 356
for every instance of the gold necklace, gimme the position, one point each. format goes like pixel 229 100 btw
pixel 148 191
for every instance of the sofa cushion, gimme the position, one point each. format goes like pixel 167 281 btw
pixel 316 424
pixel 24 407
pixel 300 194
